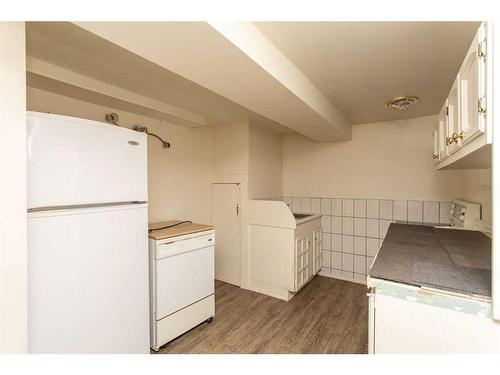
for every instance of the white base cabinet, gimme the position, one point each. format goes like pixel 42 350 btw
pixel 411 320
pixel 181 279
pixel 307 252
pixel 284 254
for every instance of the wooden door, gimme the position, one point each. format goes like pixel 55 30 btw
pixel 226 221
pixel 473 89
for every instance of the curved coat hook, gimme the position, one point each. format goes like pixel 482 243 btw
pixel 143 129
pixel 114 118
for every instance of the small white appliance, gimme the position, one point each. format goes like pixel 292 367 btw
pixel 181 284
pixel 87 237
pixel 465 215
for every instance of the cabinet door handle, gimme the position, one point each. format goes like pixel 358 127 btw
pixel 458 136
pixel 454 138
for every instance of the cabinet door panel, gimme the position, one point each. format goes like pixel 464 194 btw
pixel 316 251
pixel 472 89
pixel 435 152
pixel 301 261
pixel 453 116
pixel 442 146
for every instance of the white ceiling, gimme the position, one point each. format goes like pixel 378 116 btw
pixel 360 65
pixel 71 47
pixel 356 66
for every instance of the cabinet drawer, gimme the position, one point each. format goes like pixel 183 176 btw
pixel 180 246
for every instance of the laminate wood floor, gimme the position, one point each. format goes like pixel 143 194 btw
pixel 326 316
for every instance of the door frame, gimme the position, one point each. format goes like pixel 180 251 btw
pixel 242 180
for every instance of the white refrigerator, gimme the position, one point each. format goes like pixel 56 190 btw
pixel 87 237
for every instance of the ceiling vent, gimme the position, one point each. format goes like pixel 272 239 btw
pixel 401 103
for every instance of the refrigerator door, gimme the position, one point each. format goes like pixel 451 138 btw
pixel 73 161
pixel 88 280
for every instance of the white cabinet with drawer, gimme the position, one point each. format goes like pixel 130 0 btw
pixel 181 284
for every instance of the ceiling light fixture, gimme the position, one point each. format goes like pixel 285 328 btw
pixel 401 103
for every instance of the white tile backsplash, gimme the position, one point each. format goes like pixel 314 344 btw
pixel 336 274
pixel 326 241
pixel 326 206
pixel 359 208
pixel 326 259
pixel 347 244
pixel 337 260
pixel 359 264
pixel 337 224
pixel 359 227
pixel 431 212
pixel 354 229
pixel 372 208
pixel 336 242
pixel 325 271
pixel 415 211
pixel 372 246
pixel 372 228
pixel 337 207
pixel 348 225
pixel 347 207
pixel 326 224
pixel 444 212
pixel 385 209
pixel 305 205
pixel 383 227
pixel 347 274
pixel 360 276
pixel 315 205
pixel 369 262
pixel 347 262
pixel 401 211
pixel 360 245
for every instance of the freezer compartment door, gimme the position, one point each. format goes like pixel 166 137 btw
pixel 73 161
pixel 183 279
pixel 88 281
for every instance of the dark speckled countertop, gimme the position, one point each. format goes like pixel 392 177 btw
pixel 448 259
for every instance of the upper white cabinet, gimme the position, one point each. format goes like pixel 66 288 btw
pixel 473 88
pixel 462 138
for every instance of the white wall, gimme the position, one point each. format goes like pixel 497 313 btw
pixel 178 177
pixel 265 168
pixel 477 188
pixel 390 160
pixel 13 252
pixel 230 149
